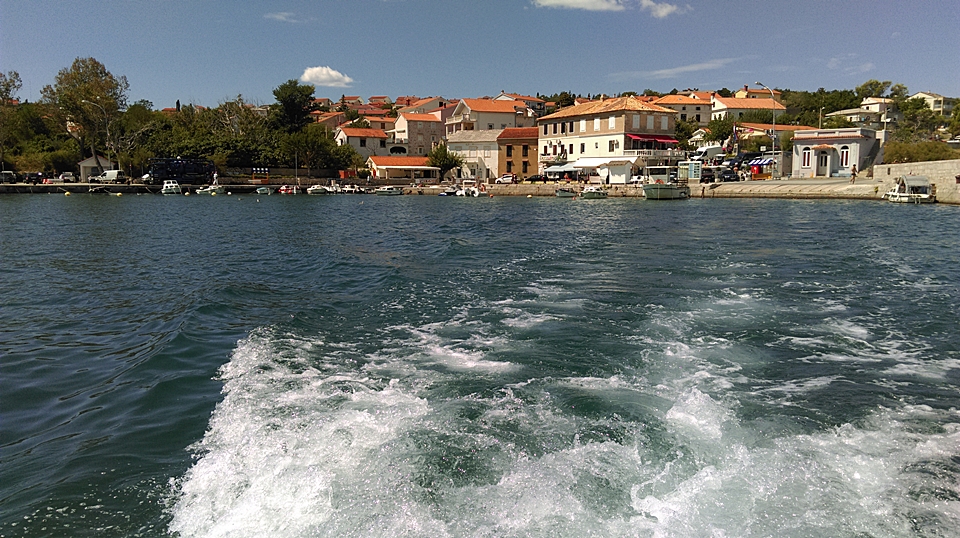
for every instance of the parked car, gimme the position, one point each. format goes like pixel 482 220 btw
pixel 536 177
pixel 729 174
pixel 707 175
pixel 7 176
pixel 507 178
pixel 110 176
pixel 67 177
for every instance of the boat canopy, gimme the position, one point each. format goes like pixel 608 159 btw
pixel 916 181
pixel 762 161
pixel 593 162
pixel 566 167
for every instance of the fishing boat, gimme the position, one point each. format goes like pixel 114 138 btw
pixel 212 190
pixel 912 190
pixel 593 192
pixel 665 190
pixel 170 186
pixel 565 192
pixel 289 189
pixel 389 190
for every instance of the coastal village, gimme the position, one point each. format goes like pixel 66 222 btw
pixel 611 142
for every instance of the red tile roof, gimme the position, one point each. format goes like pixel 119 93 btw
pixel 390 160
pixel 616 104
pixel 420 117
pixel 746 102
pixel 363 133
pixel 519 132
pixel 489 105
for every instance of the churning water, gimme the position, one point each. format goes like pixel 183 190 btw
pixel 422 366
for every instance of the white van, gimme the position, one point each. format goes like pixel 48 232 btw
pixel 110 176
pixel 706 153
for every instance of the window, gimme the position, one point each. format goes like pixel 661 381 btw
pixel 571 127
pixel 844 156
pixel 363 142
pixel 509 151
pixel 563 128
pixel 649 123
pixel 583 148
pixel 698 117
pixel 525 166
pixel 611 148
pixel 664 123
pixel 383 143
pixel 509 166
pixel 805 161
pixel 583 126
pixel 525 151
pixel 612 123
pixel 489 126
pixel 544 128
pixel 683 117
pixel 636 121
pixel 596 124
pixel 571 149
pixel 546 151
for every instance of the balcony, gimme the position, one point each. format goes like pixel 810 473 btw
pixel 655 153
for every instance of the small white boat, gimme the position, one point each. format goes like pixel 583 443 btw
pixel 912 190
pixel 318 189
pixel 389 190
pixel 593 192
pixel 264 190
pixel 212 190
pixel 565 192
pixel 170 186
pixel 449 191
pixel 661 190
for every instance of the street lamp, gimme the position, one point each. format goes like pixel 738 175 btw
pixel 774 135
pixel 106 124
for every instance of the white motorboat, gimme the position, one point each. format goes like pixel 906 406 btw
pixel 170 186
pixel 264 190
pixel 212 190
pixel 318 189
pixel 660 190
pixel 592 192
pixel 565 192
pixel 912 190
pixel 389 190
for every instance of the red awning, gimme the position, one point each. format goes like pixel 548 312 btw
pixel 652 138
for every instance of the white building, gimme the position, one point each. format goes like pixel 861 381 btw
pixel 833 152
pixel 480 153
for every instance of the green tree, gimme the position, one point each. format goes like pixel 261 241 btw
pixel 294 104
pixel 443 159
pixel 720 129
pixel 684 131
pixel 911 152
pixel 10 84
pixel 89 96
pixel 313 147
pixel 872 88
pixel 919 122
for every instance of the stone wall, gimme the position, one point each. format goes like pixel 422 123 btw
pixel 941 173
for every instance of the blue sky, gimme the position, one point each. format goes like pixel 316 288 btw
pixel 209 51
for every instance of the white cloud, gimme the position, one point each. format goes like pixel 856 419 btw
pixel 673 72
pixel 325 76
pixel 661 10
pixel 658 9
pixel 283 16
pixel 588 5
pixel 843 62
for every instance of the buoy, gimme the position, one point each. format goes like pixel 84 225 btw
pixel 66 193
pixel 213 194
pixel 529 196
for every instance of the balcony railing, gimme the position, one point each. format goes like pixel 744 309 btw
pixel 461 118
pixel 654 153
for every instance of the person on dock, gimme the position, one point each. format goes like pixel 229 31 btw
pixel 853 174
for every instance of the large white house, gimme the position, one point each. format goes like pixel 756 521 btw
pixel 489 114
pixel 833 152
pixel 479 150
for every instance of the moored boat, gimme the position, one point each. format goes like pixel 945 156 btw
pixel 212 190
pixel 289 189
pixel 317 189
pixel 592 192
pixel 565 192
pixel 912 190
pixel 264 190
pixel 170 186
pixel 389 190
pixel 660 190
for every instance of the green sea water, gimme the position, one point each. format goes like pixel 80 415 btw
pixel 422 366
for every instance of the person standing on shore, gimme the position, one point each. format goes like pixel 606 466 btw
pixel 853 174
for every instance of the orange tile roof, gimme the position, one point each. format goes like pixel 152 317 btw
pixel 746 102
pixel 420 117
pixel 679 100
pixel 363 133
pixel 523 97
pixel 390 160
pixel 489 105
pixel 767 127
pixel 617 104
pixel 519 132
